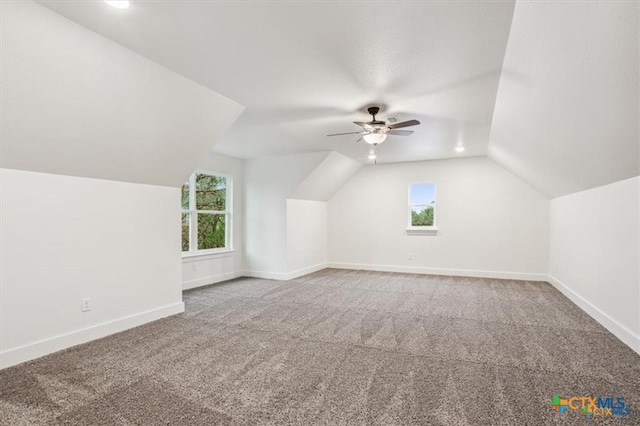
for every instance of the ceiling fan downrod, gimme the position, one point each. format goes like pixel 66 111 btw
pixel 374 110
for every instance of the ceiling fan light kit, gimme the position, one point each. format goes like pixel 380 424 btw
pixel 374 138
pixel 376 131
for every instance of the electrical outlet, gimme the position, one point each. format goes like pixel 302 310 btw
pixel 410 256
pixel 86 304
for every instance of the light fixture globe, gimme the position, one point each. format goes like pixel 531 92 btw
pixel 375 137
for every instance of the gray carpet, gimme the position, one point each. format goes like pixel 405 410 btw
pixel 337 347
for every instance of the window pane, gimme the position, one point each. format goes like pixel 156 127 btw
pixel 185 196
pixel 185 231
pixel 422 199
pixel 422 194
pixel 422 215
pixel 211 192
pixel 211 231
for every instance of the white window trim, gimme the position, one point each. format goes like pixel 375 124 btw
pixel 194 257
pixel 422 230
pixel 193 224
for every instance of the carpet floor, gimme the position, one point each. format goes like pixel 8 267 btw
pixel 337 347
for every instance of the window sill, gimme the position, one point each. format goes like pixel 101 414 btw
pixel 424 230
pixel 197 257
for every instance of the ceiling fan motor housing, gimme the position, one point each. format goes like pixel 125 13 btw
pixel 375 124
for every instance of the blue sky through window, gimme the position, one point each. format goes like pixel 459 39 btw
pixel 423 193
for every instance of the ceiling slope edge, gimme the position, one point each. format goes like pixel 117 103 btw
pixel 75 103
pixel 327 178
pixel 566 114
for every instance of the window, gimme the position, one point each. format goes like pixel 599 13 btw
pixel 422 205
pixel 206 214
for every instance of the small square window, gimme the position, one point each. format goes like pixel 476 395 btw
pixel 422 205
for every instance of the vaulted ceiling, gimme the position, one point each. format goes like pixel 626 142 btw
pixel 562 77
pixel 74 103
pixel 306 69
pixel 566 116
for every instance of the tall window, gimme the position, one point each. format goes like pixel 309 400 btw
pixel 206 213
pixel 422 204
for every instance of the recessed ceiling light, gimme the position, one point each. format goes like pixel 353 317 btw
pixel 459 148
pixel 118 4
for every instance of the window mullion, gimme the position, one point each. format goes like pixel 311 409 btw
pixel 228 206
pixel 193 222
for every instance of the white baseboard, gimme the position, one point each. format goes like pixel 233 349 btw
pixel 47 346
pixel 285 276
pixel 211 279
pixel 304 271
pixel 627 336
pixel 441 271
pixel 280 276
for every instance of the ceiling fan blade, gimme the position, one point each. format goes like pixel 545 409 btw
pixel 401 132
pixel 404 124
pixel 349 133
pixel 362 124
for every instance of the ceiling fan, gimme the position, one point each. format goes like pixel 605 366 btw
pixel 375 131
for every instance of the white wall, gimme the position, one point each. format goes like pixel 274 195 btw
pixel 326 179
pixel 306 236
pixel 490 223
pixel 75 103
pixel 594 256
pixel 285 211
pixel 566 113
pixel 202 270
pixel 269 182
pixel 66 238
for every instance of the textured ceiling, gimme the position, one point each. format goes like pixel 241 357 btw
pixel 74 103
pixel 565 93
pixel 306 69
pixel 566 116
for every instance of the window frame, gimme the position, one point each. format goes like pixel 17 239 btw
pixel 422 230
pixel 193 216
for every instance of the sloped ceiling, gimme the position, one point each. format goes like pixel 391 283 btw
pixel 565 93
pixel 305 69
pixel 566 115
pixel 75 103
pixel 326 179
